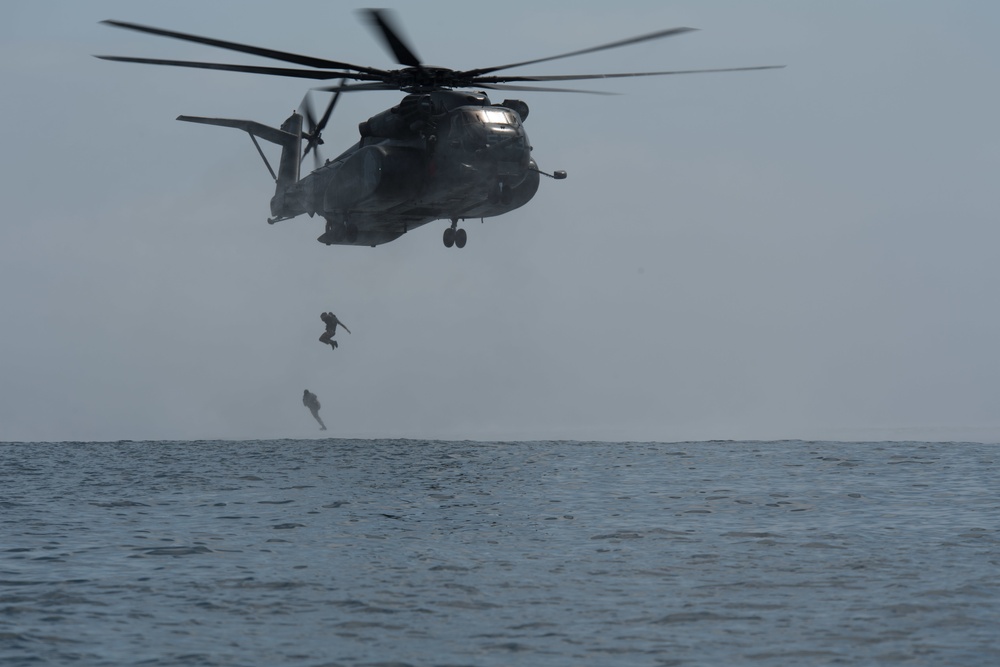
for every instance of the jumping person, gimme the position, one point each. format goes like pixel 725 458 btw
pixel 331 322
pixel 310 401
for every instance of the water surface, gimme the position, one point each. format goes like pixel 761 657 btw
pixel 406 552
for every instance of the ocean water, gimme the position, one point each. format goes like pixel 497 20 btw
pixel 408 552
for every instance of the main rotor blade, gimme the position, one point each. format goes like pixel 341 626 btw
pixel 537 89
pixel 351 88
pixel 580 77
pixel 613 45
pixel 244 48
pixel 252 69
pixel 380 19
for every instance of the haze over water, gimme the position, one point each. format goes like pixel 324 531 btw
pixel 406 552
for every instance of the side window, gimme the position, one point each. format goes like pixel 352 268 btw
pixel 459 128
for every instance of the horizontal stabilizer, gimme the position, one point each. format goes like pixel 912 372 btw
pixel 266 133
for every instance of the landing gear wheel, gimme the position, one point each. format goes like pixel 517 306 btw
pixel 460 238
pixel 449 237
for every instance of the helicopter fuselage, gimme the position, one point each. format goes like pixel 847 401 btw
pixel 443 155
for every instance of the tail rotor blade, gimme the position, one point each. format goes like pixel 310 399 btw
pixel 329 108
pixel 316 129
pixel 305 106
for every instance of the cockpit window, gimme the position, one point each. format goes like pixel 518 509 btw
pixel 496 117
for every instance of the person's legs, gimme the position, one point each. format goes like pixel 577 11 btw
pixel 315 414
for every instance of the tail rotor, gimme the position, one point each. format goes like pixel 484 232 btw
pixel 314 132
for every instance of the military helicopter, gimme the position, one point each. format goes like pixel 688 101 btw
pixel 442 153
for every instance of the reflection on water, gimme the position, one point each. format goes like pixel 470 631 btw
pixel 537 553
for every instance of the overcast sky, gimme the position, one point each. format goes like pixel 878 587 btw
pixel 799 253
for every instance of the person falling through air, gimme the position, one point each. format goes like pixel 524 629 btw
pixel 331 322
pixel 310 401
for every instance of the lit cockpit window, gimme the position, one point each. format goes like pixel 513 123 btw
pixel 497 117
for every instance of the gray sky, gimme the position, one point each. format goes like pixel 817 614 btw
pixel 802 253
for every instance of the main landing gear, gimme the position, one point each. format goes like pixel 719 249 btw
pixel 453 236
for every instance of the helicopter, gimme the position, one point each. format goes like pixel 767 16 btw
pixel 443 153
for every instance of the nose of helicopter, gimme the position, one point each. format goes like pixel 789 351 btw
pixel 509 148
